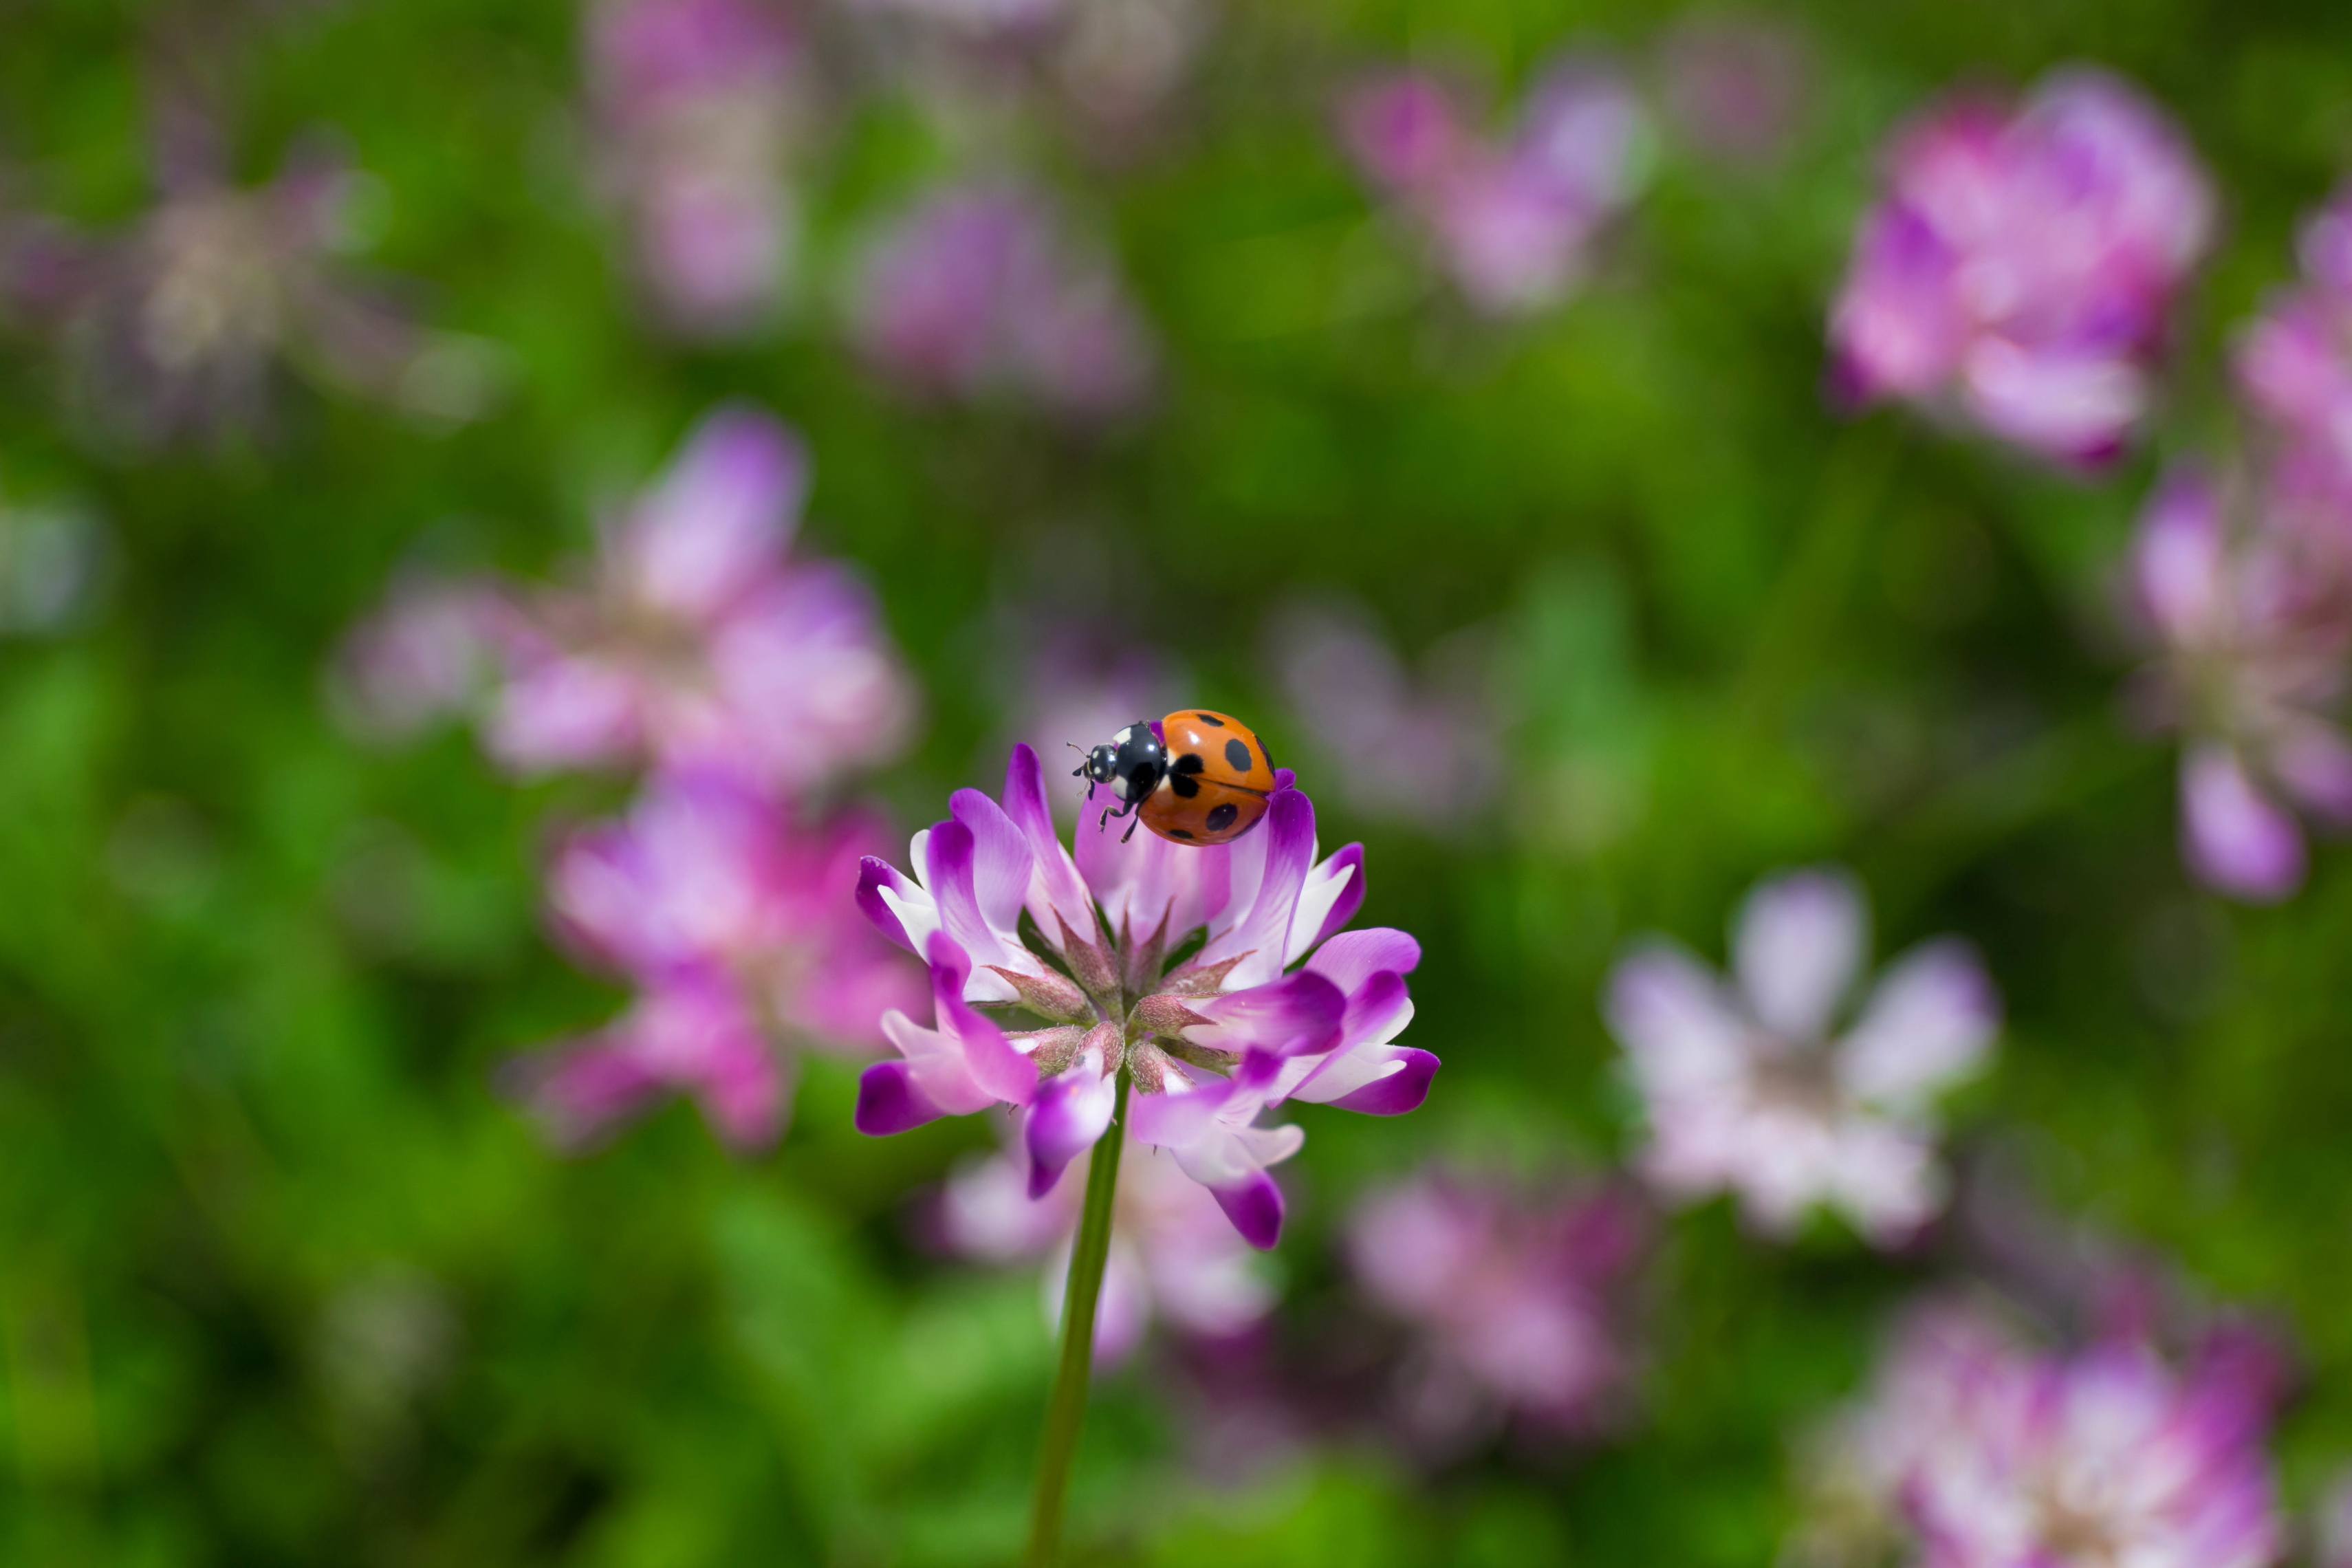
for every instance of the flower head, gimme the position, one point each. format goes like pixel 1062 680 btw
pixel 693 99
pixel 1748 1090
pixel 2254 621
pixel 1207 1044
pixel 1512 1296
pixel 977 289
pixel 2020 264
pixel 702 643
pixel 1173 1253
pixel 1992 1453
pixel 178 325
pixel 734 923
pixel 1512 221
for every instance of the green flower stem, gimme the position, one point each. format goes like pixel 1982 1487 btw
pixel 1067 1411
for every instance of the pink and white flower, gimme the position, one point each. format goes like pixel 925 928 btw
pixel 1173 1255
pixel 1208 1047
pixel 701 642
pixel 736 924
pixel 2254 623
pixel 1748 1090
pixel 1512 221
pixel 1514 1297
pixel 693 102
pixel 1991 1453
pixel 2020 267
pixel 977 289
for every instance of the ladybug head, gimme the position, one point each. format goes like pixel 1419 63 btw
pixel 1132 762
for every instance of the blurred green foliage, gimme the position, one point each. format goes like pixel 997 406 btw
pixel 281 1280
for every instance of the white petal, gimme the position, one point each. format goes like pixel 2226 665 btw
pixel 1796 946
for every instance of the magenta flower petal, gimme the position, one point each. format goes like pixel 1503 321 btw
pixel 1058 894
pixel 1255 1205
pixel 1000 1070
pixel 2235 838
pixel 1299 1014
pixel 890 1100
pixel 722 518
pixel 874 875
pixel 1071 1111
pixel 1404 1074
pixel 1351 958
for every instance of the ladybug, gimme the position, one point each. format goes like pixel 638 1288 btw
pixel 1194 777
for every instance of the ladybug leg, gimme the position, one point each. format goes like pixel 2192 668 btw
pixel 1130 830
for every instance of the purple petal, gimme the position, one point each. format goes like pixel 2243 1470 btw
pixel 1071 1111
pixel 1058 884
pixel 953 877
pixel 1298 1014
pixel 1927 1022
pixel 888 1101
pixel 1376 1009
pixel 2234 838
pixel 988 1056
pixel 2311 759
pixel 2177 558
pixel 1255 1205
pixel 1284 851
pixel 1797 944
pixel 723 516
pixel 1001 861
pixel 1353 957
pixel 874 874
pixel 1399 1092
pixel 1176 1120
pixel 1338 879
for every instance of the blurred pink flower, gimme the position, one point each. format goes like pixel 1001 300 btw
pixel 701 643
pixel 694 101
pixel 2254 623
pixel 976 289
pixel 178 325
pixel 426 653
pixel 1353 699
pixel 2294 361
pixel 1748 1090
pixel 737 925
pixel 1209 1046
pixel 2020 265
pixel 1514 1298
pixel 1172 1252
pixel 1994 1455
pixel 1512 222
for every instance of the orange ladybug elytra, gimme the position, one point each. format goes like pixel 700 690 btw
pixel 1194 777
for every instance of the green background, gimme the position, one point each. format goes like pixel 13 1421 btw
pixel 282 1281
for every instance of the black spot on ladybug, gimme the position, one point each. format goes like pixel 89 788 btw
pixel 1184 784
pixel 1211 719
pixel 1190 763
pixel 1238 754
pixel 1221 816
pixel 1178 833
